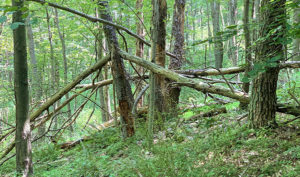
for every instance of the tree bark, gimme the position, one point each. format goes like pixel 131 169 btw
pixel 123 90
pixel 218 50
pixel 173 93
pixel 262 107
pixel 248 58
pixel 158 54
pixel 140 45
pixel 23 131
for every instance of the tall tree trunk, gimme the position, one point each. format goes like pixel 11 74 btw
pixel 123 90
pixel 37 90
pixel 23 130
pixel 209 34
pixel 262 107
pixel 64 52
pixel 233 52
pixel 99 46
pixel 100 78
pixel 106 88
pixel 52 59
pixel 218 50
pixel 246 85
pixel 187 32
pixel 158 54
pixel 173 93
pixel 140 45
pixel 54 65
pixel 296 42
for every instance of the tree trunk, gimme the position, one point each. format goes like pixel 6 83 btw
pixel 37 90
pixel 218 50
pixel 54 64
pixel 123 90
pixel 233 52
pixel 140 46
pixel 246 85
pixel 64 52
pixel 158 54
pixel 173 93
pixel 209 34
pixel 23 131
pixel 262 107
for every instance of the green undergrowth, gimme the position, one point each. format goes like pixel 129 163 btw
pixel 218 146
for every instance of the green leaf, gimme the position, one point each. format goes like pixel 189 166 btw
pixel 276 58
pixel 3 19
pixel 246 79
pixel 231 26
pixel 15 25
pixel 11 9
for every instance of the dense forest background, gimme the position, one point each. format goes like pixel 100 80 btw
pixel 150 88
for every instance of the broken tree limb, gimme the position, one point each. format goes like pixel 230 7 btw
pixel 100 20
pixel 138 98
pixel 97 84
pixel 107 82
pixel 211 72
pixel 288 109
pixel 232 70
pixel 210 113
pixel 212 81
pixel 69 86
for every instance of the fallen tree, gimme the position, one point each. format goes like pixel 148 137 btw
pixel 203 87
pixel 62 92
pixel 210 113
pixel 69 87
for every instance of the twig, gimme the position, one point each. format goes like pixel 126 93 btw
pixel 294 98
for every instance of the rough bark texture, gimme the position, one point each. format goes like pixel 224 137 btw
pixel 173 93
pixel 23 131
pixel 246 85
pixel 262 106
pixel 218 50
pixel 158 54
pixel 123 90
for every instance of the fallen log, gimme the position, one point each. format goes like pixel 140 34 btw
pixel 210 113
pixel 71 144
pixel 181 80
pixel 203 87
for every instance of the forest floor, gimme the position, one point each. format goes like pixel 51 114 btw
pixel 214 146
